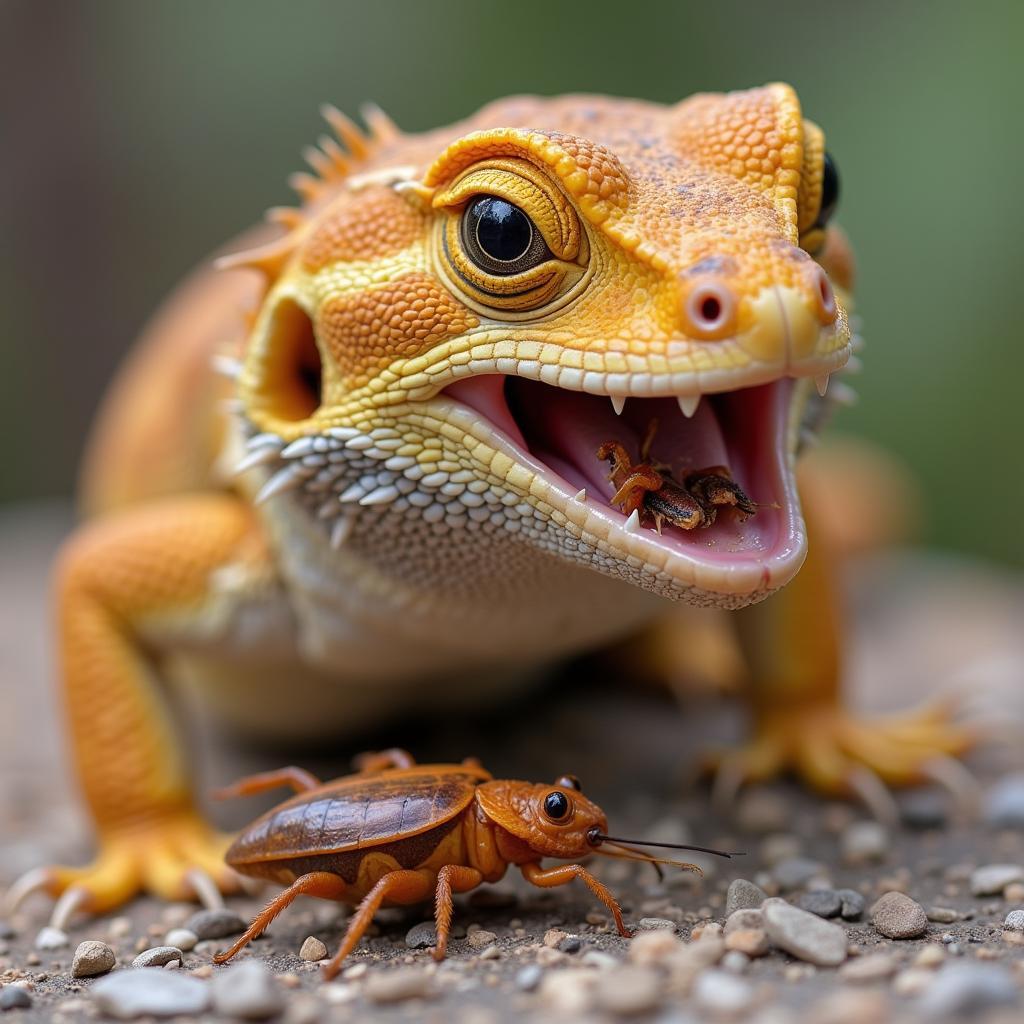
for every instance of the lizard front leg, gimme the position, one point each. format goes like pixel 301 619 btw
pixel 116 579
pixel 792 647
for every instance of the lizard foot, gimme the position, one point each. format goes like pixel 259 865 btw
pixel 176 857
pixel 839 754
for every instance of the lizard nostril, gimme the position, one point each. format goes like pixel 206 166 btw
pixel 709 310
pixel 827 308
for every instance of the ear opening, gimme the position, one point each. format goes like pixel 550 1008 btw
pixel 291 373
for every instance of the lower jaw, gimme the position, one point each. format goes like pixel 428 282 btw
pixel 554 434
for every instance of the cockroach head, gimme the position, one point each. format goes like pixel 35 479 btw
pixel 553 820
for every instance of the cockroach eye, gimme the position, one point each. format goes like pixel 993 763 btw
pixel 556 805
pixel 569 782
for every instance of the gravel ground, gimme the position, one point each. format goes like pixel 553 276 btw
pixel 924 625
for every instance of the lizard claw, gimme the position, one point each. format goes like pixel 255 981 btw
pixel 175 858
pixel 841 755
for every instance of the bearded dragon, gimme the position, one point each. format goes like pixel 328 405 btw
pixel 439 338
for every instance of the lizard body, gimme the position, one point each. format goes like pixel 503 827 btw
pixel 445 331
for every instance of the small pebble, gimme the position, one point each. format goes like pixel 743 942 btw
pixel 150 991
pixel 158 956
pixel 795 872
pixel 553 936
pixel 930 956
pixel 598 958
pixel 1014 892
pixel 182 938
pixel 965 988
pixel 654 947
pixel 215 924
pixel 897 916
pixel 873 967
pixel 491 952
pixel 942 915
pixel 743 895
pixel 852 1006
pixel 568 993
pixel 1014 921
pixel 823 902
pixel 14 997
pixel 749 941
pixel 91 959
pixel 7 931
pixel 479 938
pixel 51 938
pixel 628 990
pixel 398 985
pixel 421 936
pixel 247 991
pixel 736 961
pixel 743 920
pixel 992 879
pixel 804 935
pixel 722 994
pixel 119 927
pixel 864 841
pixel 1004 806
pixel 312 950
pixel 851 904
pixel 528 978
pixel 913 981
pixel 652 924
pixel 571 944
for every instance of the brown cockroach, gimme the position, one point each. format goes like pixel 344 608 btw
pixel 400 833
pixel 649 490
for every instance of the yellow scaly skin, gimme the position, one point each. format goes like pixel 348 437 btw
pixel 388 528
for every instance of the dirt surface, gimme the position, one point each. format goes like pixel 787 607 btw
pixel 924 625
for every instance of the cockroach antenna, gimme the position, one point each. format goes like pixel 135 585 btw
pixel 597 837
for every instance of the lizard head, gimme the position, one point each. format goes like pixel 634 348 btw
pixel 453 328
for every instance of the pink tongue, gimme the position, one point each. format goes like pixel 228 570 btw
pixel 566 433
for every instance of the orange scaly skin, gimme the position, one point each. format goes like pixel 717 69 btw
pixel 398 517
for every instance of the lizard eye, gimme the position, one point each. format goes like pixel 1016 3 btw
pixel 829 191
pixel 500 238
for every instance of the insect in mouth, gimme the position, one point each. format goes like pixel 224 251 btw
pixel 400 833
pixel 649 489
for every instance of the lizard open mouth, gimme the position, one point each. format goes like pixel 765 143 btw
pixel 747 431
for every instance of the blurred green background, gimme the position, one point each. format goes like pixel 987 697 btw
pixel 139 136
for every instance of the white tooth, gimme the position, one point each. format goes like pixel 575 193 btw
pixel 341 530
pixel 284 480
pixel 257 457
pixel 618 403
pixel 688 404
pixel 821 383
pixel 380 496
pixel 633 522
pixel 581 494
pixel 226 366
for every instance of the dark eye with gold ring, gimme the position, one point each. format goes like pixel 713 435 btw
pixel 556 805
pixel 829 191
pixel 500 238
